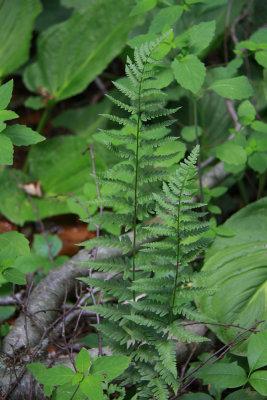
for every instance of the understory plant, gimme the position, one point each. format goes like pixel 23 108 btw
pixel 148 294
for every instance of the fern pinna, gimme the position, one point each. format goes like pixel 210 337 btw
pixel 148 297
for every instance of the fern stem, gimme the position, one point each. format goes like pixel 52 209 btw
pixel 199 169
pixel 135 191
pixel 177 252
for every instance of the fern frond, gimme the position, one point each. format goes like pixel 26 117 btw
pixel 167 355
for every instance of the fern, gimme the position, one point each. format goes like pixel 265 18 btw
pixel 154 289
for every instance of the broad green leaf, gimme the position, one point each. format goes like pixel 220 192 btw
pixel 188 133
pixel 261 58
pixel 92 388
pixel 54 376
pixel 244 394
pixel 53 13
pixel 166 16
pixel 226 72
pixel 201 35
pixel 223 375
pixel 260 36
pixel 189 72
pixel 225 231
pixel 246 113
pixel 5 94
pixel 66 64
pixel 14 276
pixel 83 360
pixel 231 153
pixel 34 102
pixel 84 121
pixel 259 381
pixel 40 245
pixel 143 6
pixel 110 367
pixel 15 204
pixel 12 245
pixel 196 396
pixel 258 162
pixel 237 266
pixel 16 26
pixel 259 126
pixel 140 39
pixel 77 379
pixel 69 392
pixel 36 369
pixel 31 263
pixel 6 312
pixel 234 88
pixel 48 389
pixel 21 135
pixel 6 150
pixel 257 350
pixel 6 115
pixel 218 191
pixel 59 164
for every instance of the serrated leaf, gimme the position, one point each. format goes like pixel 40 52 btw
pixel 246 113
pixel 257 350
pixel 231 153
pixel 6 150
pixel 5 94
pixel 189 72
pixel 14 276
pixel 258 162
pixel 12 245
pixel 201 35
pixel 143 6
pixel 110 367
pixel 234 88
pixel 83 360
pixel 92 388
pixel 166 16
pixel 36 369
pixel 21 135
pixel 261 58
pixel 54 376
pixel 77 379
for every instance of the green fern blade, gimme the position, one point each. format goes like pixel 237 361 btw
pixel 119 120
pixel 122 105
pixel 167 354
pixel 114 312
pixel 131 94
pixel 159 389
pixel 159 113
pixel 119 289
